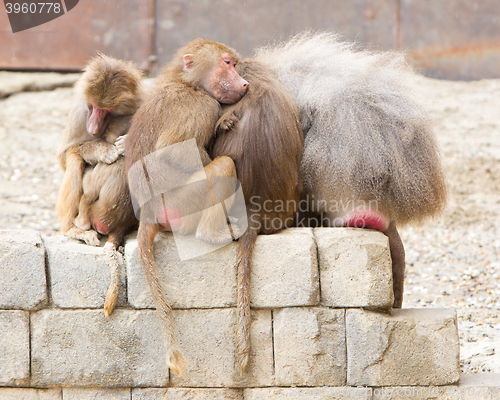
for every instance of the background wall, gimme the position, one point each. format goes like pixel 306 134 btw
pixel 451 39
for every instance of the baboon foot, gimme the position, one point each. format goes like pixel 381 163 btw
pixel 90 237
pixel 82 223
pixel 214 237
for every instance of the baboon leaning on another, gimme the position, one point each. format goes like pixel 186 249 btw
pixel 370 158
pixel 262 135
pixel 184 104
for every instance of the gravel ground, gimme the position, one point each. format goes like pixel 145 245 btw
pixel 453 261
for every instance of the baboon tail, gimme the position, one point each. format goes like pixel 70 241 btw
pixel 246 244
pixel 145 238
pixel 112 257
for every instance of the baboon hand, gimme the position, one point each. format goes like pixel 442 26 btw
pixel 120 144
pixel 226 123
pixel 111 155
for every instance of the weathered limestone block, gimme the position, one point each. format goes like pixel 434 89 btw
pixel 207 281
pixel 14 348
pixel 79 274
pixel 187 394
pixel 30 394
pixel 83 348
pixel 285 270
pixel 355 268
pixel 207 338
pixel 409 347
pixel 284 273
pixel 309 347
pixel 96 394
pixel 22 270
pixel 315 393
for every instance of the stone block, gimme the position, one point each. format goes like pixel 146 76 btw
pixel 207 281
pixel 96 394
pixel 285 270
pixel 355 268
pixel 79 274
pixel 83 348
pixel 22 268
pixel 30 394
pixel 409 347
pixel 187 394
pixel 14 348
pixel 309 347
pixel 284 273
pixel 207 338
pixel 315 393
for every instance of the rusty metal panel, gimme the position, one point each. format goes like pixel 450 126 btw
pixel 121 28
pixel 250 23
pixel 453 39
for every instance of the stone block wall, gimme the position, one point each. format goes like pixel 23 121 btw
pixel 313 334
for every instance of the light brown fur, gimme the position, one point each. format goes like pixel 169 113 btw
pixel 262 134
pixel 94 192
pixel 184 104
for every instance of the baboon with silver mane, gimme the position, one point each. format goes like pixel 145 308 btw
pixel 370 158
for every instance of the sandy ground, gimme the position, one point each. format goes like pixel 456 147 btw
pixel 453 261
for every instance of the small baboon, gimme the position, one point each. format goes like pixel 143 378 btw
pixel 370 158
pixel 184 104
pixel 262 135
pixel 94 193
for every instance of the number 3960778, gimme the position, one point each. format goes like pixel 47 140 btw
pixel 33 8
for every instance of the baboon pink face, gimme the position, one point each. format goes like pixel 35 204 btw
pixel 97 120
pixel 221 81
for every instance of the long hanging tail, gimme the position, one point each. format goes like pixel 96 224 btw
pixel 246 244
pixel 113 258
pixel 145 237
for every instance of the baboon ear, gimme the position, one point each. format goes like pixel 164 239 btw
pixel 188 61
